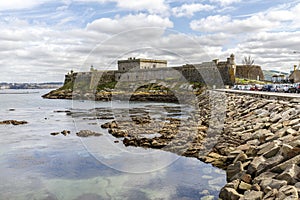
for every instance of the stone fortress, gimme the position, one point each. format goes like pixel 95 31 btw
pixel 214 73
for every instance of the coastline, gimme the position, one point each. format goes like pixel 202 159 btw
pixel 258 147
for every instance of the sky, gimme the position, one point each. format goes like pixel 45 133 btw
pixel 41 40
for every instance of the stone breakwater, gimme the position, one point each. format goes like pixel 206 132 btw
pixel 259 146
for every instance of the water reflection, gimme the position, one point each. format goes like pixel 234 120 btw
pixel 36 165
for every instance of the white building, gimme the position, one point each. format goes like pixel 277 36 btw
pixel 140 63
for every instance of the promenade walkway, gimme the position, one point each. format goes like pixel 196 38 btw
pixel 268 95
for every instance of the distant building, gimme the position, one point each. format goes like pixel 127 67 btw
pixel 295 75
pixel 140 63
pixel 279 78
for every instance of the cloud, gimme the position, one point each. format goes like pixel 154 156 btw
pixel 20 4
pixel 188 10
pixel 117 25
pixel 152 6
pixel 219 23
pixel 225 2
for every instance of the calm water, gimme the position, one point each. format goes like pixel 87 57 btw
pixel 36 165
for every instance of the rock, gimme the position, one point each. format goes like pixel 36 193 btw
pixel 270 146
pixel 273 183
pixel 291 131
pixel 229 194
pixel 290 174
pixel 270 195
pixel 233 184
pixel 294 122
pixel 254 164
pixel 253 195
pixel 285 150
pixel 87 133
pixel 281 167
pixel 288 192
pixel 233 170
pixel 269 163
pixel 255 187
pixel 241 157
pixel 13 122
pixel 246 178
pixel 208 197
pixel 65 132
pixel 263 176
pixel 297 186
pixel 54 133
pixel 244 186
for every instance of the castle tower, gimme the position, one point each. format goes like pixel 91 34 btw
pixel 232 59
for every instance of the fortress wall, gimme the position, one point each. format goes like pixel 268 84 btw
pixel 125 66
pixel 191 73
pixel 206 73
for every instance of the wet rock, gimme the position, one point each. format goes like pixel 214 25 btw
pixel 229 194
pixel 54 133
pixel 13 122
pixel 87 133
pixel 65 132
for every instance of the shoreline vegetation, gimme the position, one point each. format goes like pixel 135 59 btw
pixel 258 146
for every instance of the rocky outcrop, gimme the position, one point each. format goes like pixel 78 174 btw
pixel 157 92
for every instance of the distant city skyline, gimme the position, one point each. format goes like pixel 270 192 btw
pixel 42 40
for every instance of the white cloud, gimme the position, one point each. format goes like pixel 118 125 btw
pixel 225 2
pixel 152 6
pixel 20 4
pixel 220 23
pixel 117 25
pixel 189 10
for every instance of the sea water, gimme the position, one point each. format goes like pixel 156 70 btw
pixel 37 165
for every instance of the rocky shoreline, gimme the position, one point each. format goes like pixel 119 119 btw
pixel 154 92
pixel 258 147
pixel 258 144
